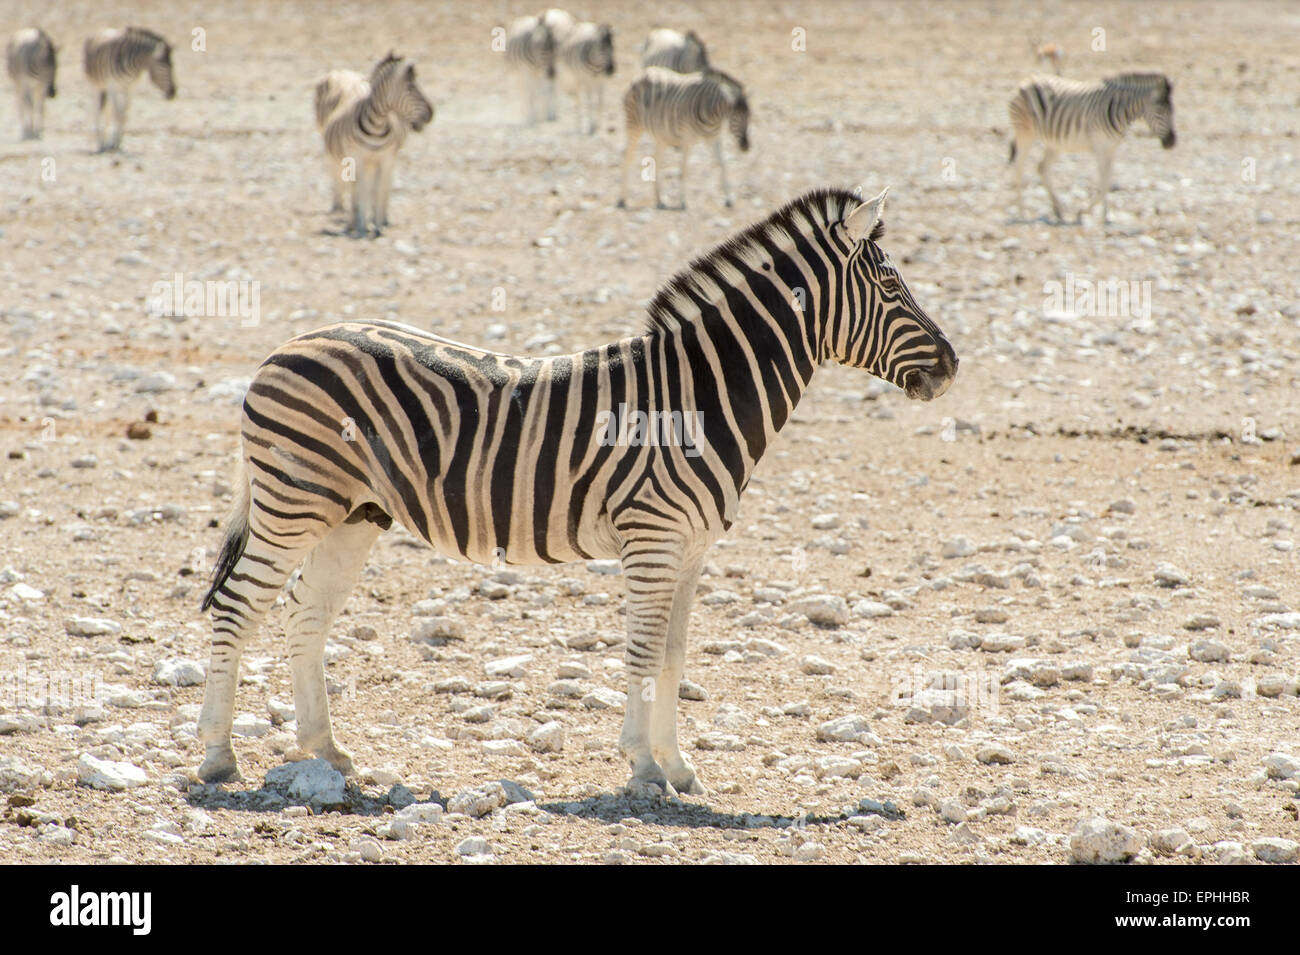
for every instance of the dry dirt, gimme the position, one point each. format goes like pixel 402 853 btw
pixel 1075 453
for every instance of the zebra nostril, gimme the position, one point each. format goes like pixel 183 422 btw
pixel 1169 141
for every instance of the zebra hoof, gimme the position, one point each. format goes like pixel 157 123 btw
pixel 337 758
pixel 220 767
pixel 621 204
pixel 686 782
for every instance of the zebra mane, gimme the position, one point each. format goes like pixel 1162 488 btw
pixel 385 68
pixel 676 302
pixel 140 33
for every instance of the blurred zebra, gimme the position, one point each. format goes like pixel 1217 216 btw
pixel 681 109
pixel 114 60
pixel 364 132
pixel 1073 116
pixel 682 52
pixel 32 62
pixel 335 89
pixel 586 62
pixel 531 51
pixel 637 450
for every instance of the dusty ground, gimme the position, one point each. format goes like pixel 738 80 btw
pixel 1082 451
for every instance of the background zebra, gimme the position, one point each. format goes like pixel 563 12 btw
pixel 352 426
pixel 531 50
pixel 31 60
pixel 365 130
pixel 586 62
pixel 682 52
pixel 114 60
pixel 682 109
pixel 1072 116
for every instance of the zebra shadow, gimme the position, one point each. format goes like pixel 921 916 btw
pixel 611 808
pixel 352 800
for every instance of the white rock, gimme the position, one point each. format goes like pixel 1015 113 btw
pixel 1098 840
pixel 826 610
pixel 816 666
pixel 604 698
pixel 246 724
pixel 178 671
pixel 15 774
pixel 474 847
pixel 311 780
pixel 843 729
pixel 105 774
pixel 995 753
pixel 26 593
pixel 479 801
pixel 608 567
pixel 1170 841
pixel 1167 575
pixel 547 738
pixel 958 547
pixel 1278 851
pixel 1282 766
pixel 871 609
pixel 91 627
pixel 514 667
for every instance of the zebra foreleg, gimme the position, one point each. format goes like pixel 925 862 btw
pixel 722 169
pixel 658 169
pixel 663 717
pixel 120 103
pixel 25 113
pixel 629 160
pixel 1105 162
pixel 681 185
pixel 383 186
pixel 101 109
pixel 652 569
pixel 328 575
pixel 1044 167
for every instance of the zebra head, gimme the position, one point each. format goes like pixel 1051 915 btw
pixel 1159 113
pixel 160 69
pixel 395 91
pixel 737 107
pixel 880 327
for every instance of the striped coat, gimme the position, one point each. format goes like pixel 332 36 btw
pixel 114 60
pixel 639 449
pixel 31 61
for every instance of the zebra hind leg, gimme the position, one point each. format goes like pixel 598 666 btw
pixel 1044 168
pixel 239 604
pixel 328 575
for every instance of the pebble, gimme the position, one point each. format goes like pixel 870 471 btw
pixel 547 738
pixel 605 698
pixel 311 781
pixel 17 775
pixel 1167 575
pixel 871 609
pixel 1278 851
pixel 108 775
pixel 845 729
pixel 178 671
pixel 957 547
pixel 91 627
pixel 1098 840
pixel 816 666
pixel 826 610
pixel 1282 766
pixel 1170 841
pixel 474 848
pixel 514 667
pixel 479 801
pixel 995 754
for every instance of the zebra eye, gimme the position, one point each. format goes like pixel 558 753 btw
pixel 890 285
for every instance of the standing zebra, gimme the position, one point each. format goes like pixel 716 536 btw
pixel 531 50
pixel 349 427
pixel 1071 116
pixel 681 52
pixel 31 60
pixel 586 62
pixel 682 109
pixel 363 132
pixel 114 61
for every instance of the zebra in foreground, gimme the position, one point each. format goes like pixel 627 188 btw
pixel 586 62
pixel 530 50
pixel 31 60
pixel 1072 116
pixel 364 123
pixel 114 60
pixel 680 52
pixel 682 109
pixel 350 427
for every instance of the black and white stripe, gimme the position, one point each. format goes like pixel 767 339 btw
pixel 1073 116
pixel 364 123
pixel 586 62
pixel 32 62
pixel 682 52
pixel 530 50
pixel 680 110
pixel 114 61
pixel 484 455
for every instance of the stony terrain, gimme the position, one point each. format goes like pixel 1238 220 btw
pixel 1053 616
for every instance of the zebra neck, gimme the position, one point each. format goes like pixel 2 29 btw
pixel 374 119
pixel 740 369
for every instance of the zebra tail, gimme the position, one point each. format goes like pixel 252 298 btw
pixel 236 535
pixel 1013 151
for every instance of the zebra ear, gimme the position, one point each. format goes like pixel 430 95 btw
pixel 861 222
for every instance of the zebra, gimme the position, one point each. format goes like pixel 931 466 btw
pixel 681 52
pixel 114 60
pixel 1073 116
pixel 531 51
pixel 486 456
pixel 364 131
pixel 586 60
pixel 681 109
pixel 32 62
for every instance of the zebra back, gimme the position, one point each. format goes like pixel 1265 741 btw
pixel 30 56
pixel 589 48
pixel 681 52
pixel 675 107
pixel 118 57
pixel 336 89
pixel 1069 112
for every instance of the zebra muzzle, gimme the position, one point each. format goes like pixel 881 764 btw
pixel 926 384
